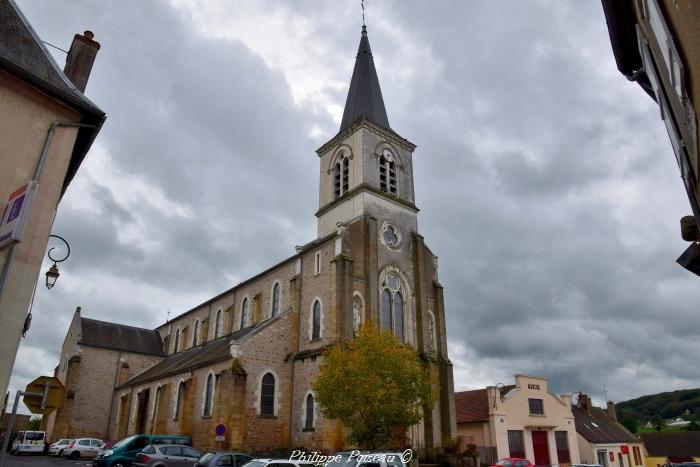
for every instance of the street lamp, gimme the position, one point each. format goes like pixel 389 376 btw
pixel 52 274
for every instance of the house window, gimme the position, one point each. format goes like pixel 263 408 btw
pixel 316 321
pixel 244 313
pixel 208 395
pixel 515 444
pixel 536 406
pixel 179 401
pixel 267 395
pixel 195 334
pixel 309 421
pixel 392 306
pixel 217 325
pixel 177 340
pixel 275 299
pixel 562 441
pixel 387 172
pixel 317 263
pixel 341 176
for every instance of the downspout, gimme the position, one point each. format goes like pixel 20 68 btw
pixel 111 404
pixel 37 175
pixel 291 397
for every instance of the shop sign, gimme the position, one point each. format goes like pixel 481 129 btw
pixel 16 214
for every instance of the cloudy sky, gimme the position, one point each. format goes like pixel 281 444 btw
pixel 546 181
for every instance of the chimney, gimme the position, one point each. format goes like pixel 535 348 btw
pixel 81 57
pixel 611 410
pixel 584 402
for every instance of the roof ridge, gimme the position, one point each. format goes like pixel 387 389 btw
pixel 117 324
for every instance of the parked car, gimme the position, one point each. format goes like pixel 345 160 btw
pixel 82 447
pixel 56 449
pixel 167 455
pixel 123 453
pixel 28 442
pixel 227 458
pixel 365 459
pixel 513 462
pixel 278 463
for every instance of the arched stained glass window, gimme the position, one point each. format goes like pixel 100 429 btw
pixel 316 321
pixel 267 395
pixel 275 299
pixel 392 310
pixel 217 326
pixel 177 340
pixel 244 313
pixel 195 334
pixel 309 420
pixel 209 394
pixel 180 400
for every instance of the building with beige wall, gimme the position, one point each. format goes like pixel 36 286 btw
pixel 656 44
pixel 522 420
pixel 602 439
pixel 671 447
pixel 248 357
pixel 47 126
pixel 96 357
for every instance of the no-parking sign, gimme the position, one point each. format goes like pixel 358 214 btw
pixel 220 431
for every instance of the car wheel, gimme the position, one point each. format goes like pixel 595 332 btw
pixel 74 455
pixel 118 464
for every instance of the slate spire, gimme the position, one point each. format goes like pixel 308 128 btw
pixel 365 96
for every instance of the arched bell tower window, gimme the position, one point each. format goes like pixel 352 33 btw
pixel 392 306
pixel 341 175
pixel 387 172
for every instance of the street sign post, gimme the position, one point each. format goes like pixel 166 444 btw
pixel 52 395
pixel 220 432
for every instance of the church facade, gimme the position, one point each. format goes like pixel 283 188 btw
pixel 248 357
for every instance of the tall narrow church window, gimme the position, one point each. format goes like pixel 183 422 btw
pixel 195 334
pixel 391 316
pixel 208 395
pixel 267 395
pixel 244 313
pixel 387 172
pixel 217 325
pixel 309 420
pixel 177 340
pixel 398 315
pixel 180 400
pixel 317 263
pixel 341 176
pixel 316 321
pixel 275 299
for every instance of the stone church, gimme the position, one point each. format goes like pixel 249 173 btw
pixel 247 357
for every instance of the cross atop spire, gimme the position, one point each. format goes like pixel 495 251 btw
pixel 365 95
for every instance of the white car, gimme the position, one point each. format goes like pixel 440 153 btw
pixel 56 449
pixel 83 447
pixel 370 459
pixel 29 442
pixel 277 463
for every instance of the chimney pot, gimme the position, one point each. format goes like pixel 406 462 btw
pixel 611 410
pixel 88 35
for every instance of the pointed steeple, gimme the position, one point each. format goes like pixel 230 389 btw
pixel 365 96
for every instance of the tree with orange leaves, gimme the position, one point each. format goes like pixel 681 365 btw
pixel 375 386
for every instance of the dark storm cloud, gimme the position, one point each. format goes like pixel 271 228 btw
pixel 545 180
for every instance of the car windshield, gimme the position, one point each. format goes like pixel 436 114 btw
pixel 124 442
pixel 505 463
pixel 206 458
pixel 255 464
pixel 61 442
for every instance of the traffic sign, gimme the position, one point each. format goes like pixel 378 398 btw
pixel 52 391
pixel 220 429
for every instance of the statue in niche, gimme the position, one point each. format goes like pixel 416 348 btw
pixel 431 332
pixel 356 313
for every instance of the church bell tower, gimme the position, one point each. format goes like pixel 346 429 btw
pixel 367 168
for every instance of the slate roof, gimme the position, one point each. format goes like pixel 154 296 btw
pixel 365 95
pixel 472 406
pixel 194 357
pixel 598 427
pixel 664 444
pixel 119 336
pixel 23 54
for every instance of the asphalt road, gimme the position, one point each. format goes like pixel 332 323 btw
pixel 43 461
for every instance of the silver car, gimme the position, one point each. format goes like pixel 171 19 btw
pixel 82 447
pixel 56 449
pixel 166 455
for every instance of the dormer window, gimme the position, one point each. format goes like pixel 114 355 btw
pixel 387 172
pixel 341 176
